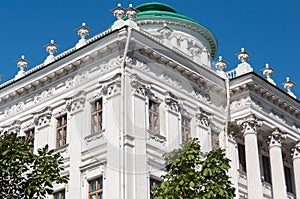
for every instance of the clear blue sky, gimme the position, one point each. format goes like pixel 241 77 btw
pixel 269 30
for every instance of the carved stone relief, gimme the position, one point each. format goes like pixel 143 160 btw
pixel 43 118
pixel 203 117
pixel 246 102
pixel 171 80
pixel 172 102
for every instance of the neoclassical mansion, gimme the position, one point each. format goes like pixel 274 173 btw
pixel 114 103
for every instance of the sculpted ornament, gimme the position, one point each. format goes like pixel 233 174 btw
pixel 43 117
pixel 296 151
pixel 76 103
pixel 139 86
pixel 14 109
pixel 77 80
pixel 201 95
pixel 246 102
pixel 203 117
pixel 171 80
pixel 276 138
pixel 172 102
pixel 111 86
pixel 44 95
pixel 249 124
pixel 277 116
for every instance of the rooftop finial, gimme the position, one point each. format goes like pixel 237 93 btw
pixel 22 64
pixel 289 85
pixel 131 12
pixel 268 72
pixel 118 12
pixel 220 66
pixel 82 31
pixel 243 56
pixel 51 48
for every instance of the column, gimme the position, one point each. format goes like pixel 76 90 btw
pixel 277 169
pixel 232 154
pixel 254 184
pixel 296 165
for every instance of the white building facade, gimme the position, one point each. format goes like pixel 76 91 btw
pixel 115 103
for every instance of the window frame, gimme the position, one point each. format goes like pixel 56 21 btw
pixel 184 128
pixel 242 158
pixel 156 180
pixel 266 169
pixel 30 133
pixel 288 175
pixel 215 142
pixel 152 113
pixel 62 194
pixel 99 187
pixel 99 114
pixel 64 127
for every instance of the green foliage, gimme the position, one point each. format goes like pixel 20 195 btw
pixel 25 175
pixel 192 174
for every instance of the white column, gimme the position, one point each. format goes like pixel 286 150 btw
pixel 296 165
pixel 254 184
pixel 232 154
pixel 277 169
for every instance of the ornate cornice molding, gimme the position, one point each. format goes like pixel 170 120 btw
pixel 268 96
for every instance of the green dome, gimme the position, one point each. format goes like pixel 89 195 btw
pixel 162 12
pixel 159 10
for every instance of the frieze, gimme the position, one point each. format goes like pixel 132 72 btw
pixel 246 102
pixel 44 95
pixel 171 80
pixel 201 95
pixel 77 80
pixel 14 109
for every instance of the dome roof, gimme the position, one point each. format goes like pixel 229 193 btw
pixel 164 13
pixel 160 10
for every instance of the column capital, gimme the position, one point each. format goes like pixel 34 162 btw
pixel 296 151
pixel 276 138
pixel 249 124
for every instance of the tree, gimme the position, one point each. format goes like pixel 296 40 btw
pixel 25 175
pixel 192 174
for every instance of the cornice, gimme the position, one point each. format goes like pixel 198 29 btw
pixel 254 83
pixel 186 72
pixel 59 57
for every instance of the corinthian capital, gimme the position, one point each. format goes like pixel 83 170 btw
pixel 296 151
pixel 276 138
pixel 249 124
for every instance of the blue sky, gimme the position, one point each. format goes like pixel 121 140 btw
pixel 269 30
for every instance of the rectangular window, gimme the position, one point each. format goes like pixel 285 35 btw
pixel 96 188
pixel 153 183
pixel 30 134
pixel 288 179
pixel 97 113
pixel 214 141
pixel 266 169
pixel 242 158
pixel 185 129
pixel 61 131
pixel 59 195
pixel 154 116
